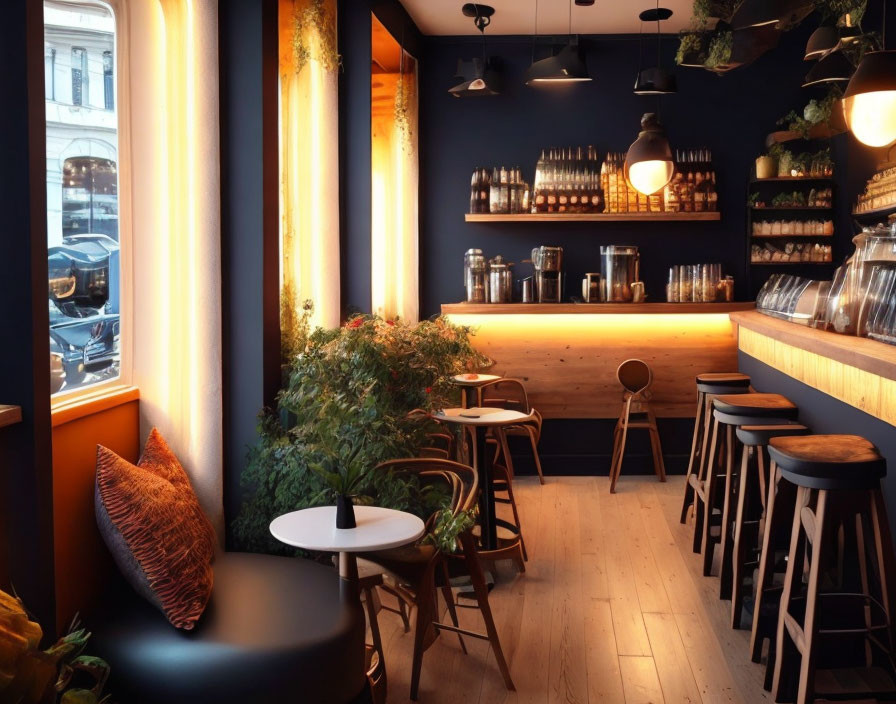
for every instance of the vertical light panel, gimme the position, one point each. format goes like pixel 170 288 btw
pixel 309 160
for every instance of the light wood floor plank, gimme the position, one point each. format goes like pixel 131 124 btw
pixel 672 665
pixel 640 681
pixel 604 677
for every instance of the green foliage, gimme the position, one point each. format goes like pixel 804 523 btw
pixel 448 527
pixel 691 48
pixel 720 49
pixel 704 10
pixel 345 408
pixel 816 112
pixel 836 9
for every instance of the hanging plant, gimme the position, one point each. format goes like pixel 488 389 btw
pixel 838 9
pixel 816 112
pixel 720 48
pixel 692 48
pixel 704 10
pixel 403 103
pixel 314 36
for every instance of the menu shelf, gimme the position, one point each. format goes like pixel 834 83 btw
pixel 593 217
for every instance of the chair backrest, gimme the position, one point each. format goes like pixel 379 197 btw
pixel 635 375
pixel 505 393
pixel 462 480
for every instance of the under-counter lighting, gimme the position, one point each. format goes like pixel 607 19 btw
pixel 547 326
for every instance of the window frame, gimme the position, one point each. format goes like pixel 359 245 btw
pixel 120 69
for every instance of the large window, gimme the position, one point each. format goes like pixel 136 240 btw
pixel 83 267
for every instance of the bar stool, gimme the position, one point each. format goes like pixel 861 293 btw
pixel 752 494
pixel 714 505
pixel 838 499
pixel 709 385
pixel 636 378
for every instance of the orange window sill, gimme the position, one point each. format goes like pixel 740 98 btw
pixel 68 410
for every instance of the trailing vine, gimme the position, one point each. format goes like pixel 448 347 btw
pixel 314 36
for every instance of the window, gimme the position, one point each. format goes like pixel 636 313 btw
pixel 83 268
pixel 108 81
pixel 50 72
pixel 79 75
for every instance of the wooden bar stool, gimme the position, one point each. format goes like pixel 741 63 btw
pixel 753 480
pixel 838 500
pixel 708 386
pixel 636 378
pixel 714 489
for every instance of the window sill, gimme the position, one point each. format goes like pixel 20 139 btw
pixel 68 410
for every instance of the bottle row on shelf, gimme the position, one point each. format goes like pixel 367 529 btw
pixel 575 180
pixel 790 252
pixel 880 191
pixel 804 228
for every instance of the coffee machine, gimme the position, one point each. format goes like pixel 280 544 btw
pixel 619 270
pixel 548 263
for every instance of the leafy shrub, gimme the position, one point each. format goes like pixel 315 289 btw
pixel 346 406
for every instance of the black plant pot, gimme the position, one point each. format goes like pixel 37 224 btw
pixel 345 512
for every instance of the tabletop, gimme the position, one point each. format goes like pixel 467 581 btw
pixel 377 529
pixel 479 380
pixel 480 416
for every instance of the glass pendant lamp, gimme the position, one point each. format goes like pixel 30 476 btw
pixel 648 163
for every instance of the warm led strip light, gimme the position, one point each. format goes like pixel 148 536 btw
pixel 873 394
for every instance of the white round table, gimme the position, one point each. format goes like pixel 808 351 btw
pixel 377 529
pixel 471 385
pixel 481 419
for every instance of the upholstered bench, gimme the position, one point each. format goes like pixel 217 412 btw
pixel 277 629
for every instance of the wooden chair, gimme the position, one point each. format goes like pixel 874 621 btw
pixel 511 394
pixel 636 378
pixel 418 571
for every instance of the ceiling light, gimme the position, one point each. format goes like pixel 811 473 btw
pixel 869 103
pixel 567 66
pixel 479 77
pixel 648 162
pixel 833 68
pixel 822 40
pixel 657 80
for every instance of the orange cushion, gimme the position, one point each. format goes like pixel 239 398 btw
pixel 149 518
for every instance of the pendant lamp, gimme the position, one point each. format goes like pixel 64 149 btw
pixel 833 68
pixel 478 77
pixel 648 163
pixel 567 66
pixel 656 80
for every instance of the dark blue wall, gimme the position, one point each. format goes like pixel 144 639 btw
pixel 730 114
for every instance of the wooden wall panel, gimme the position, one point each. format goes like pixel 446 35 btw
pixel 568 362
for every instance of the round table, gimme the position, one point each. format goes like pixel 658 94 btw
pixel 481 419
pixel 470 386
pixel 377 529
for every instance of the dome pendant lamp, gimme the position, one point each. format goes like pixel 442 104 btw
pixel 656 80
pixel 648 163
pixel 478 77
pixel 869 102
pixel 567 66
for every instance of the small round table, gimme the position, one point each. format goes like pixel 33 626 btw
pixel 482 419
pixel 377 529
pixel 470 386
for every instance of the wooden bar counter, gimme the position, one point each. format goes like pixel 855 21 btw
pixel 854 370
pixel 567 353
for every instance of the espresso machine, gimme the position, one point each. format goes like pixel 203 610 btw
pixel 619 270
pixel 548 263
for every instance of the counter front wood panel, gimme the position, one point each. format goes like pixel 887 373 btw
pixel 854 370
pixel 568 361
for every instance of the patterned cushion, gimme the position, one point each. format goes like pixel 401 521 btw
pixel 150 520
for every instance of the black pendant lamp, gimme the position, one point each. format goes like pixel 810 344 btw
pixel 478 77
pixel 869 102
pixel 833 68
pixel 827 39
pixel 648 163
pixel 567 66
pixel 656 80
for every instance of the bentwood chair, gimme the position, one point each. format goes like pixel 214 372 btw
pixel 636 378
pixel 417 572
pixel 511 394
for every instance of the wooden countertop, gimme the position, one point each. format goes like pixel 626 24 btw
pixel 860 352
pixel 600 308
pixel 10 415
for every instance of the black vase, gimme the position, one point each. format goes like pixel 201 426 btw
pixel 345 512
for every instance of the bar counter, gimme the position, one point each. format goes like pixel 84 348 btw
pixel 567 353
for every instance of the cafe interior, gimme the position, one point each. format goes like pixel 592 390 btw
pixel 422 350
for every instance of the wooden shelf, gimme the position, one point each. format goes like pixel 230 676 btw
pixel 10 415
pixel 593 217
pixel 822 131
pixel 756 209
pixel 869 355
pixel 787 263
pixel 775 179
pixel 592 308
pixel 876 212
pixel 783 237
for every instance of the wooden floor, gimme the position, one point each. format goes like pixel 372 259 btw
pixel 612 608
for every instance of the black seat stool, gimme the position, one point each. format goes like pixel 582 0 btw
pixel 715 487
pixel 749 516
pixel 709 385
pixel 838 500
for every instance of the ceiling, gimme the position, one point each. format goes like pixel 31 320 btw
pixel 518 16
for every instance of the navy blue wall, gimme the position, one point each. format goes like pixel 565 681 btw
pixel 730 114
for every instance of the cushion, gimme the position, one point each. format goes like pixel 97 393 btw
pixel 150 525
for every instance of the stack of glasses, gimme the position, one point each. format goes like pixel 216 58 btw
pixel 698 283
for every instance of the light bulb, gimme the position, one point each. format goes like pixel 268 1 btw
pixel 648 177
pixel 872 117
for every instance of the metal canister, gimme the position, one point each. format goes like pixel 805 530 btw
pixel 500 281
pixel 475 275
pixel 591 288
pixel 527 287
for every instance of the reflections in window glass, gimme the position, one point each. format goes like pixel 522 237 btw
pixel 82 194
